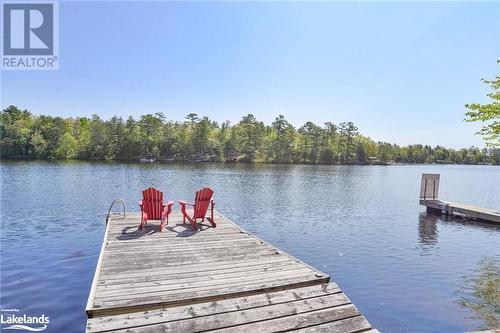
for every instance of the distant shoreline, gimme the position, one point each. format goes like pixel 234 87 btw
pixel 188 162
pixel 152 137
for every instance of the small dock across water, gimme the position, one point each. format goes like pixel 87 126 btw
pixel 462 210
pixel 429 189
pixel 218 279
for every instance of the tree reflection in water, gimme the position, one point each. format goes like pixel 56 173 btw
pixel 481 293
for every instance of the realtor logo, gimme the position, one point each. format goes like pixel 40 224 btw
pixel 30 35
pixel 12 319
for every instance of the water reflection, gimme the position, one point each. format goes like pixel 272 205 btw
pixel 427 229
pixel 481 293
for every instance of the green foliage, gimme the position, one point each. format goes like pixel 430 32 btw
pixel 489 114
pixel 309 142
pixel 15 127
pixel 347 134
pixel 201 139
pixel 282 138
pixel 66 147
pixel 249 134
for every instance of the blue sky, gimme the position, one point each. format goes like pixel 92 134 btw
pixel 401 71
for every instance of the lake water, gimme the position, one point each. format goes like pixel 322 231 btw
pixel 405 270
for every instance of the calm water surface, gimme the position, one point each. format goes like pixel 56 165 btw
pixel 406 271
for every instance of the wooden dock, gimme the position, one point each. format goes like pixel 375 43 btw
pixel 218 279
pixel 462 210
pixel 429 190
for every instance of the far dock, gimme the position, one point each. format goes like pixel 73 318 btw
pixel 218 279
pixel 429 190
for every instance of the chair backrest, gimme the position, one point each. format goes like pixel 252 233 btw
pixel 202 201
pixel 152 203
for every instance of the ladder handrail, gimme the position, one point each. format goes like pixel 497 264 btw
pixel 119 200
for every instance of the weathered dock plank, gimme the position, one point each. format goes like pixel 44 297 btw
pixel 219 279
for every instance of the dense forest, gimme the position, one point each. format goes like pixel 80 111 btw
pixel 24 135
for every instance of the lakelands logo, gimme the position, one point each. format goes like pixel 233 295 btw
pixel 30 35
pixel 10 319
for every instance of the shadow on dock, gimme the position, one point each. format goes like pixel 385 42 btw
pixel 181 230
pixel 134 233
pixel 187 229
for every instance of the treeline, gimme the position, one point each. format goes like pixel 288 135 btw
pixel 24 135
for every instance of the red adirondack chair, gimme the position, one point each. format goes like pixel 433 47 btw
pixel 202 200
pixel 153 208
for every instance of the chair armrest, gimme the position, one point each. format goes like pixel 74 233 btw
pixel 167 209
pixel 183 203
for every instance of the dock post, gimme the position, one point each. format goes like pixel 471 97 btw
pixel 446 209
